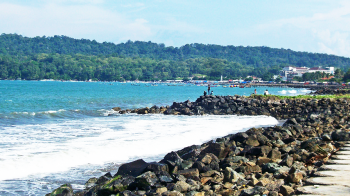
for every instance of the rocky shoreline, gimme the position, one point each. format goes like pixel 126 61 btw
pixel 331 91
pixel 261 161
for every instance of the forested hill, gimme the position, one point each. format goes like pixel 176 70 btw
pixel 14 44
pixel 192 58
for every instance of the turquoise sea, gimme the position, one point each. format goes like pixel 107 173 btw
pixel 54 132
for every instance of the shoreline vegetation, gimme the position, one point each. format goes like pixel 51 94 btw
pixel 260 161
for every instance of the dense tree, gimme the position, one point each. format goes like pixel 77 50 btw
pixel 347 76
pixel 338 73
pixel 248 79
pixel 61 57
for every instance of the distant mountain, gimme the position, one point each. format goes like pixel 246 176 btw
pixel 155 60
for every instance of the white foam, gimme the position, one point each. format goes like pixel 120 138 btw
pixel 37 113
pixel 305 90
pixel 283 92
pixel 108 112
pixel 50 148
pixel 294 92
pixel 50 112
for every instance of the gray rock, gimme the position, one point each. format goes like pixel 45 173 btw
pixel 270 167
pixel 173 157
pixel 64 190
pixel 257 190
pixel 286 190
pixel 231 175
pixel 155 167
pixel 181 187
pixel 189 173
pixel 340 135
pixel 164 177
pixel 134 168
pixel 275 154
pixel 91 182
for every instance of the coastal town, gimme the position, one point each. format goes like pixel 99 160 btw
pixel 287 74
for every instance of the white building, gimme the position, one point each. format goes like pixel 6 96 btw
pixel 329 70
pixel 289 72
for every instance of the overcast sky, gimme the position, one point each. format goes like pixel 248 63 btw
pixel 320 26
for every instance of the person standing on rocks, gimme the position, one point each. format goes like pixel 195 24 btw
pixel 255 92
pixel 208 89
pixel 205 93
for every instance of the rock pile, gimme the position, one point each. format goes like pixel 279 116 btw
pixel 261 161
pixel 330 91
pixel 256 105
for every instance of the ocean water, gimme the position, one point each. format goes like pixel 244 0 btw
pixel 53 132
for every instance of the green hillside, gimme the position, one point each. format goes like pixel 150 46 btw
pixel 61 57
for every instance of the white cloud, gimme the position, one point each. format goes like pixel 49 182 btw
pixel 94 21
pixel 329 29
pixel 80 21
pixel 334 43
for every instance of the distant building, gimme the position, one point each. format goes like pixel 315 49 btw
pixel 289 72
pixel 329 70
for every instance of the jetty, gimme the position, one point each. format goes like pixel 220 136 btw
pixel 309 151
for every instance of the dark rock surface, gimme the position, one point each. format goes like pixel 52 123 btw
pixel 271 160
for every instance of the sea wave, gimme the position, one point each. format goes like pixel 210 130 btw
pixel 294 92
pixel 41 149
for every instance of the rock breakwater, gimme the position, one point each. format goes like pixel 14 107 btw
pixel 261 161
pixel 331 91
pixel 255 105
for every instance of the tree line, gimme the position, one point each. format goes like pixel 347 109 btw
pixel 61 57
pixel 115 68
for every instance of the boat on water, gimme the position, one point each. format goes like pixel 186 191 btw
pixel 232 86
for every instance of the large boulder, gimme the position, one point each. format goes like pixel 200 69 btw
pixel 274 154
pixel 257 190
pixel 252 141
pixel 218 149
pixel 155 167
pixel 340 135
pixel 117 109
pixel 173 157
pixel 134 168
pixel 145 181
pixel 231 175
pixel 143 110
pixel 164 177
pixel 286 190
pixel 181 187
pixel 189 173
pixel 64 190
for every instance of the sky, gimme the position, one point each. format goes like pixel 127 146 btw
pixel 317 26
